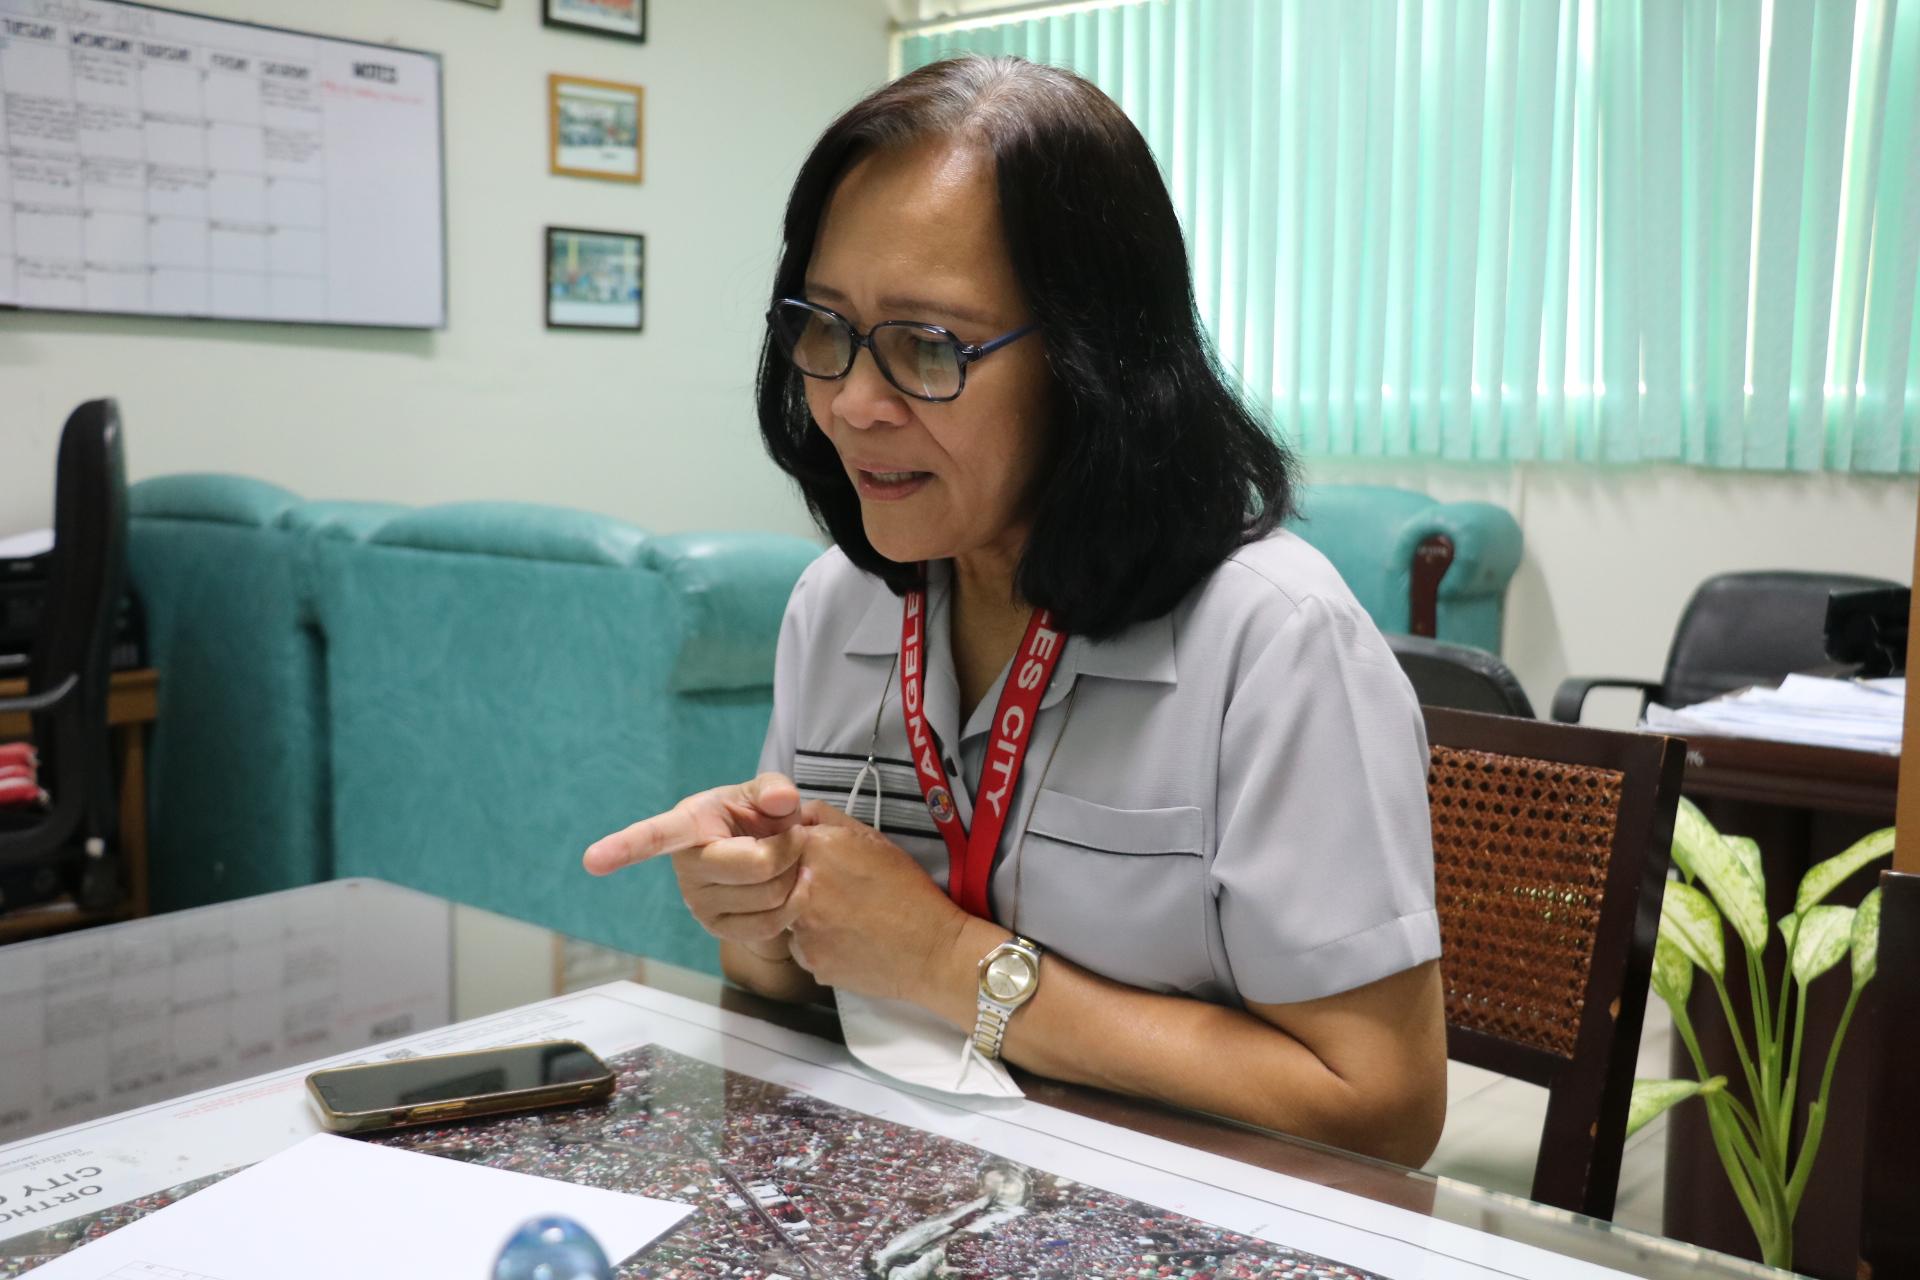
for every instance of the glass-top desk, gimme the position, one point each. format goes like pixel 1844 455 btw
pixel 803 1165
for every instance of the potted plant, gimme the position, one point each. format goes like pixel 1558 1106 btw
pixel 1722 888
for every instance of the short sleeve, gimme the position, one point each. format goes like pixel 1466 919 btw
pixel 777 751
pixel 1323 863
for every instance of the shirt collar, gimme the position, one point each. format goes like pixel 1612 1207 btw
pixel 1144 651
pixel 877 634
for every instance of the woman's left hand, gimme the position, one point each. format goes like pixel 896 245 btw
pixel 866 916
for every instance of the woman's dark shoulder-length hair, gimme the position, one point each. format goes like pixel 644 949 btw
pixel 1158 471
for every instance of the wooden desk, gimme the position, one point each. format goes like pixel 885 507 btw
pixel 1803 804
pixel 1788 775
pixel 133 702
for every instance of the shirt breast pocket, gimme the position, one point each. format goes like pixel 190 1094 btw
pixel 1118 891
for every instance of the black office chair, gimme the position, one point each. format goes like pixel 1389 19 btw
pixel 1739 629
pixel 1460 677
pixel 70 846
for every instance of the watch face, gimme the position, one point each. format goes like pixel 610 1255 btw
pixel 1008 977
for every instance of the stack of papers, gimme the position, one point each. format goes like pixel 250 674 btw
pixel 1855 715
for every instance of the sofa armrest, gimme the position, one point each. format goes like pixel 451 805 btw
pixel 209 497
pixel 316 525
pixel 1460 558
pixel 336 519
pixel 732 589
pixel 1486 545
pixel 515 530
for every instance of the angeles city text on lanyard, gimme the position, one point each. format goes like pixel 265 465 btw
pixel 970 853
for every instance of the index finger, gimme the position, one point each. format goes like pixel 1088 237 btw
pixel 761 806
pixel 667 832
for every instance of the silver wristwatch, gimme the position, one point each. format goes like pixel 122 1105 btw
pixel 1009 975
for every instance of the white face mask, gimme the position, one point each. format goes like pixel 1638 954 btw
pixel 902 1040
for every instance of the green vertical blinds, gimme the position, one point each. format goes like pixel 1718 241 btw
pixel 1536 229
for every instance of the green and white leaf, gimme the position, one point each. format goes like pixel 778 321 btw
pixel 1824 877
pixel 1866 939
pixel 1689 921
pixel 1690 828
pixel 1747 850
pixel 1739 895
pixel 1824 936
pixel 1652 1097
pixel 1672 972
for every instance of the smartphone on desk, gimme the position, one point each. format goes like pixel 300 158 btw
pixel 458 1086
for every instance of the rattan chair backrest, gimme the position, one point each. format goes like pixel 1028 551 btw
pixel 1521 850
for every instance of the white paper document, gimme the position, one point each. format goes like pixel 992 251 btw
pixel 331 1207
pixel 1855 715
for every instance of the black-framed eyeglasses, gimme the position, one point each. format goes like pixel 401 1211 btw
pixel 924 361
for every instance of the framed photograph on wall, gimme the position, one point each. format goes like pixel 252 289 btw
pixel 595 279
pixel 623 19
pixel 594 128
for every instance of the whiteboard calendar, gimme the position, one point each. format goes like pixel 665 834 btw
pixel 158 163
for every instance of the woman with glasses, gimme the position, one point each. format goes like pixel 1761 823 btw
pixel 1075 750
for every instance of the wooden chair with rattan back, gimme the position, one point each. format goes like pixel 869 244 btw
pixel 1550 847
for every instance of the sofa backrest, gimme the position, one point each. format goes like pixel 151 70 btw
pixel 510 682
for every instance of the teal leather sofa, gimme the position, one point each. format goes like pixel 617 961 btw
pixel 1418 566
pixel 454 698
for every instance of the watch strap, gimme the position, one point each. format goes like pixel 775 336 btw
pixel 990 1029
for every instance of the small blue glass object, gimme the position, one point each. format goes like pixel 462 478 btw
pixel 552 1249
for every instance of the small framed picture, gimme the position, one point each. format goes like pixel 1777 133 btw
pixel 595 279
pixel 624 19
pixel 594 128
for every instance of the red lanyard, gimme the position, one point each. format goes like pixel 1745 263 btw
pixel 970 854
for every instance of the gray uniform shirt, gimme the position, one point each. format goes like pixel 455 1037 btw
pixel 1227 802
